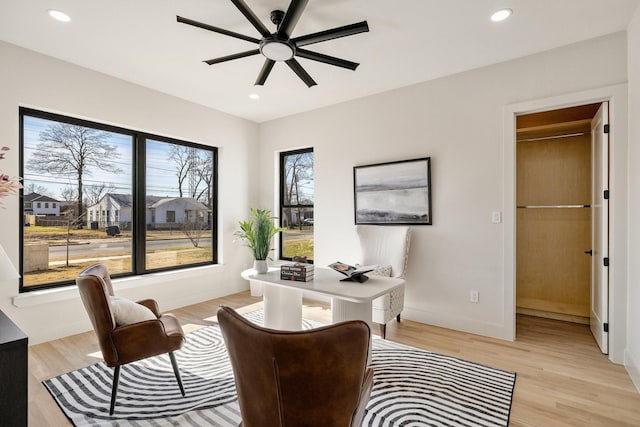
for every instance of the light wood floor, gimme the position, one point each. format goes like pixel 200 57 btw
pixel 562 378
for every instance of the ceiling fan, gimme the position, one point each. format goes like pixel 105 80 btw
pixel 279 46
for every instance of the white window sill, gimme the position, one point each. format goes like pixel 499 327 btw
pixel 47 296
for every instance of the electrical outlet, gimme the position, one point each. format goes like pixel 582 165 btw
pixel 474 296
pixel 496 217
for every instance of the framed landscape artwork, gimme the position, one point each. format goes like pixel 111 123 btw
pixel 393 192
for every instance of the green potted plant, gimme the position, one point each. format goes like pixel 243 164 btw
pixel 258 232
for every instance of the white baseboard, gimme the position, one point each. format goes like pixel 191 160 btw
pixel 633 368
pixel 458 323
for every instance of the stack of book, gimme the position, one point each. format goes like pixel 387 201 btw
pixel 297 271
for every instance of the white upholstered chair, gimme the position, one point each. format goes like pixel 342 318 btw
pixel 386 246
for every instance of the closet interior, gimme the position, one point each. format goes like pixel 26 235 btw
pixel 553 213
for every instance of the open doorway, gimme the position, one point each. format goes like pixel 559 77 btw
pixel 562 216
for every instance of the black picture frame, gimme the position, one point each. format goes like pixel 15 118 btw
pixel 393 193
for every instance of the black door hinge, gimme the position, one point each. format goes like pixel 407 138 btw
pixel 606 261
pixel 606 194
pixel 605 326
pixel 606 128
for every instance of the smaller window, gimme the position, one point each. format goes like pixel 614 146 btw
pixel 296 204
pixel 39 205
pixel 171 216
pixel 46 205
pixel 53 205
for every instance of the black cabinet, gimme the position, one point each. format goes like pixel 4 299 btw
pixel 13 373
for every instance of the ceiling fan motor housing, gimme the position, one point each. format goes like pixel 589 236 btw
pixel 276 17
pixel 277 49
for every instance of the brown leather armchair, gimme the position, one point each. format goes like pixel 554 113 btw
pixel 127 343
pixel 317 377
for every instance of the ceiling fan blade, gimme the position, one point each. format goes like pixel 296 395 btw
pixel 334 33
pixel 297 68
pixel 248 13
pixel 331 60
pixel 291 18
pixel 231 57
pixel 216 29
pixel 264 73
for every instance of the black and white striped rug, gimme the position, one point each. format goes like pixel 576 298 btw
pixel 412 387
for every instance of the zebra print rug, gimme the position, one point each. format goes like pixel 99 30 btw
pixel 412 387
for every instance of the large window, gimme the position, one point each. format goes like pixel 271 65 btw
pixel 107 184
pixel 296 204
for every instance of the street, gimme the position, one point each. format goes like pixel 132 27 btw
pixel 104 247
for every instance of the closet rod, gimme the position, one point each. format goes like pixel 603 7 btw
pixel 554 207
pixel 569 135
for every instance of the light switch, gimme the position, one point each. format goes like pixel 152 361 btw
pixel 496 217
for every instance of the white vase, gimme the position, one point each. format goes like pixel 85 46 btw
pixel 261 266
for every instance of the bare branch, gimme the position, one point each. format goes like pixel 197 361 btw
pixel 73 151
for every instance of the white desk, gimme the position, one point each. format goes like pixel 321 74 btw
pixel 349 300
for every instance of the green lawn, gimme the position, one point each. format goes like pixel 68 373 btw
pixel 297 243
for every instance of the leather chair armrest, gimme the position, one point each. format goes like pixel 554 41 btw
pixel 151 305
pixel 139 340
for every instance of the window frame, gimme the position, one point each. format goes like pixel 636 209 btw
pixel 283 206
pixel 138 173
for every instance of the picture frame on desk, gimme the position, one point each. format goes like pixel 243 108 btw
pixel 393 193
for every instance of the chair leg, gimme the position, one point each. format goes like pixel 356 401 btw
pixel 114 388
pixel 398 318
pixel 174 363
pixel 383 330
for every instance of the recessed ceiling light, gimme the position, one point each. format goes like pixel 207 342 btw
pixel 254 96
pixel 60 16
pixel 501 15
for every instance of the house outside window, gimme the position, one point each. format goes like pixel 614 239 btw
pixel 46 205
pixel 171 216
pixel 144 173
pixel 296 204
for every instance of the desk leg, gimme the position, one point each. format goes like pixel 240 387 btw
pixel 342 310
pixel 282 308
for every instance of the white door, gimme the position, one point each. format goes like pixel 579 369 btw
pixel 600 227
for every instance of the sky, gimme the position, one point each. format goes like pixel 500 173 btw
pixel 161 172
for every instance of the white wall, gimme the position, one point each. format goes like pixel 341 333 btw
pixel 34 80
pixel 632 355
pixel 458 121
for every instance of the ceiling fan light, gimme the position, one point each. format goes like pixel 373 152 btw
pixel 501 15
pixel 59 16
pixel 277 51
pixel 254 96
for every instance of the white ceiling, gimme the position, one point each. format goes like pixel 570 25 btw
pixel 410 41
